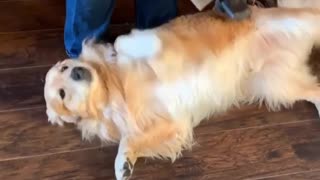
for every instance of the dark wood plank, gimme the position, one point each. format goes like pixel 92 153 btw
pixel 86 165
pixel 238 154
pixel 22 88
pixel 23 77
pixel 50 14
pixel 21 15
pixel 36 48
pixel 242 154
pixel 310 175
pixel 249 116
pixel 28 133
pixel 40 48
pixel 19 138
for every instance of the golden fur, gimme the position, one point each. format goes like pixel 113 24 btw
pixel 200 65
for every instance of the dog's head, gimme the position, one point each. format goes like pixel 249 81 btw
pixel 79 88
pixel 66 91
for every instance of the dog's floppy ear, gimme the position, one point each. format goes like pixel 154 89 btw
pixel 98 52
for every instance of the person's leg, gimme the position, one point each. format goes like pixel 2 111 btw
pixel 152 13
pixel 85 19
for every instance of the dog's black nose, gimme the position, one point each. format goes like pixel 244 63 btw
pixel 80 73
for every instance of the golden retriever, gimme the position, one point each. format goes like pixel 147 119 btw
pixel 164 81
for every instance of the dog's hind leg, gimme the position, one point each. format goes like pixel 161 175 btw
pixel 282 83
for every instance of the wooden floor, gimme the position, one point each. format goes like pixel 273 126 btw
pixel 246 143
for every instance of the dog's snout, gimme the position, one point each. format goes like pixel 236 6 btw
pixel 80 73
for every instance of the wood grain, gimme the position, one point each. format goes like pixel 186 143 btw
pixel 35 48
pixel 21 15
pixel 20 139
pixel 28 133
pixel 239 154
pixel 50 14
pixel 248 116
pixel 22 88
pixel 40 48
pixel 312 175
pixel 83 165
pixel 242 154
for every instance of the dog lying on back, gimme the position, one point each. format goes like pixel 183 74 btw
pixel 164 81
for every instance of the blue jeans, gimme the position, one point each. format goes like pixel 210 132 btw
pixel 91 18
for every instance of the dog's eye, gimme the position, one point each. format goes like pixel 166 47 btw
pixel 62 93
pixel 64 68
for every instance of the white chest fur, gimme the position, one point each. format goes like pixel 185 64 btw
pixel 198 95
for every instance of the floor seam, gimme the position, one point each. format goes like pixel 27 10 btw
pixel 49 154
pixel 286 174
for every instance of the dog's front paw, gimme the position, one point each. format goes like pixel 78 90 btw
pixel 123 167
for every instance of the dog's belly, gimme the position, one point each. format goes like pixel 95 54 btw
pixel 197 96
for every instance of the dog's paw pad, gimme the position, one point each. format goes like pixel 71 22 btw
pixel 127 169
pixel 124 168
